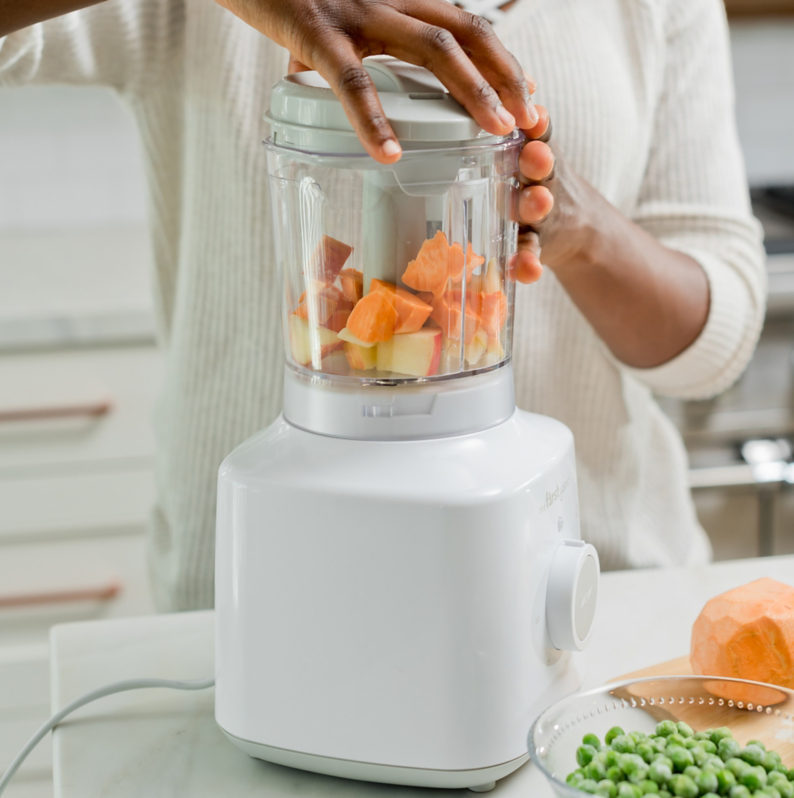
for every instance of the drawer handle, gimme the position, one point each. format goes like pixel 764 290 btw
pixel 88 410
pixel 101 592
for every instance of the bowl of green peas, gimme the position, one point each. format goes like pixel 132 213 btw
pixel 671 737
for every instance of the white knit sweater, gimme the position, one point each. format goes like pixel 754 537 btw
pixel 641 97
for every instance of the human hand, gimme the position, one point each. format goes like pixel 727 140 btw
pixel 553 207
pixel 332 37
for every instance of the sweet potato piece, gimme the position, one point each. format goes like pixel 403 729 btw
pixel 455 263
pixel 338 320
pixel 447 314
pixel 352 282
pixel 747 633
pixel 373 318
pixel 319 306
pixel 412 312
pixel 328 259
pixel 430 270
pixel 492 309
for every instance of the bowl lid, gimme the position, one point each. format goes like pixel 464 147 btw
pixel 304 111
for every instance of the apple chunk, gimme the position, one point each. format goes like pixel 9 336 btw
pixel 417 354
pixel 309 343
pixel 361 358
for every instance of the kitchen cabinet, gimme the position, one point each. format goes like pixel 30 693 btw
pixel 76 488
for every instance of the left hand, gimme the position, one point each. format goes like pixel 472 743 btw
pixel 552 206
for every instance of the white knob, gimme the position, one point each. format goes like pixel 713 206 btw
pixel 572 594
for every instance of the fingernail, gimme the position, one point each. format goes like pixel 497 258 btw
pixel 505 117
pixel 534 116
pixel 533 87
pixel 390 148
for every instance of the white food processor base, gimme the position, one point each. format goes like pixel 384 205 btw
pixel 477 780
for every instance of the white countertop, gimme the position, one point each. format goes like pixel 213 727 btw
pixel 162 743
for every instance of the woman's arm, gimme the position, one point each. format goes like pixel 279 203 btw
pixel 677 291
pixel 18 14
pixel 646 301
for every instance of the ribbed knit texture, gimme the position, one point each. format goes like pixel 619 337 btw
pixel 641 98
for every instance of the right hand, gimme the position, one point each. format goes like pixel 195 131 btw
pixel 461 49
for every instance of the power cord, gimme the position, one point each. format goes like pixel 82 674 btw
pixel 110 689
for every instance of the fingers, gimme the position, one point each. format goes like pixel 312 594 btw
pixel 296 65
pixel 437 49
pixel 345 73
pixel 488 55
pixel 534 204
pixel 525 267
pixel 542 129
pixel 537 161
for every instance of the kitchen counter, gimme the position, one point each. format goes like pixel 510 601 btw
pixel 165 743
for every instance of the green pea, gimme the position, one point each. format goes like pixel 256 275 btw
pixel 638 776
pixel 587 785
pixel 791 774
pixel 739 791
pixel 684 729
pixel 626 790
pixel 665 794
pixel 772 792
pixel 708 746
pixel 615 731
pixel 623 744
pixel 693 771
pixel 638 737
pixel 615 774
pixel 629 763
pixel 776 775
pixel 646 751
pixel 720 734
pixel 585 754
pixel 677 739
pixel 728 747
pixel 754 778
pixel 680 757
pixel 726 780
pixel 574 777
pixel 703 734
pixel 683 786
pixel 785 788
pixel 771 760
pixel 700 756
pixel 758 743
pixel 660 772
pixel 714 763
pixel 753 755
pixel 607 788
pixel 591 739
pixel 612 758
pixel 595 771
pixel 665 728
pixel 707 782
pixel 736 766
pixel 710 795
pixel 781 768
pixel 648 786
pixel 660 742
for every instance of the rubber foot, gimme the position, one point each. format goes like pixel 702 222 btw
pixel 484 787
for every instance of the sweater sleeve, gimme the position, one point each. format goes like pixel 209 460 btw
pixel 123 44
pixel 695 199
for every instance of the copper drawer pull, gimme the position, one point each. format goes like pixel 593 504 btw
pixel 93 410
pixel 101 592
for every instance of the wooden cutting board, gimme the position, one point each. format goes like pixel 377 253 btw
pixel 774 728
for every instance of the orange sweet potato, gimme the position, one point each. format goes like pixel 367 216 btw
pixel 430 270
pixel 747 633
pixel 373 318
pixel 328 259
pixel 447 314
pixel 412 312
pixel 456 262
pixel 319 305
pixel 352 282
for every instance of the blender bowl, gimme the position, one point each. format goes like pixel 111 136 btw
pixel 751 710
pixel 393 273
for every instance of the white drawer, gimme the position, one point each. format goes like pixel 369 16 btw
pixel 42 584
pixel 78 409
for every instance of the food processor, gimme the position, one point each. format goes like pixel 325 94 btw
pixel 401 587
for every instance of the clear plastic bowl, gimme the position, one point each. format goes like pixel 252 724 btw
pixel 753 711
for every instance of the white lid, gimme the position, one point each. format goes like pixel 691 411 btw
pixel 305 113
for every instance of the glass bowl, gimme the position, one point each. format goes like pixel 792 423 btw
pixel 753 711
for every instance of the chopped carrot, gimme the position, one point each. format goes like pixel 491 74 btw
pixel 429 271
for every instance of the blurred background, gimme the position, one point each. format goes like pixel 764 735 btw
pixel 79 370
